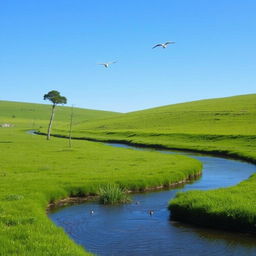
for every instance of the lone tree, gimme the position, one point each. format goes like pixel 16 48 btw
pixel 55 98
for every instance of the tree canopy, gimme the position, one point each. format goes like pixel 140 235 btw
pixel 55 97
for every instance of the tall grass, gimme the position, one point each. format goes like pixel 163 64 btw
pixel 113 194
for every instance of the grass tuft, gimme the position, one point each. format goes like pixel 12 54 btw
pixel 113 194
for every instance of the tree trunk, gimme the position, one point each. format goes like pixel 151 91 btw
pixel 70 126
pixel 50 124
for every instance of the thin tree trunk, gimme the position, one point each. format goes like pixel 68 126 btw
pixel 50 124
pixel 70 126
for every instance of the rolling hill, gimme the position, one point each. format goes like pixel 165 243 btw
pixel 39 114
pixel 231 115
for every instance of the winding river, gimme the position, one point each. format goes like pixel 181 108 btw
pixel 130 230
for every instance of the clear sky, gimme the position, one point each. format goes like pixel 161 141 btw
pixel 56 44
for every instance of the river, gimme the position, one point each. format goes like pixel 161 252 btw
pixel 130 230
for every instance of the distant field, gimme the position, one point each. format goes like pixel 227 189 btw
pixel 226 116
pixel 36 115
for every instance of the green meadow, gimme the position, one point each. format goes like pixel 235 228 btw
pixel 224 126
pixel 35 172
pixel 222 116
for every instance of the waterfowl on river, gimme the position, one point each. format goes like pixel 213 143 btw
pixel 151 212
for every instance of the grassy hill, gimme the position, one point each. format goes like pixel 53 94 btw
pixel 231 115
pixel 224 126
pixel 35 115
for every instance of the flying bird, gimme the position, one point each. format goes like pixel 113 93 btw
pixel 106 64
pixel 163 45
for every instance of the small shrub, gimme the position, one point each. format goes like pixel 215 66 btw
pixel 113 194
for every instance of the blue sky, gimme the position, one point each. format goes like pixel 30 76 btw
pixel 56 44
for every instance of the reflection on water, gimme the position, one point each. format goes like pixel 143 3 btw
pixel 130 229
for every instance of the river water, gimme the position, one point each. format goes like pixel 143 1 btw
pixel 130 230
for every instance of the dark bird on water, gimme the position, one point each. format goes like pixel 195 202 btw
pixel 151 212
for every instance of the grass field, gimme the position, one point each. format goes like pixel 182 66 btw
pixel 224 116
pixel 225 126
pixel 35 172
pixel 37 115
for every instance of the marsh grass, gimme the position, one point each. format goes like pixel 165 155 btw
pixel 113 194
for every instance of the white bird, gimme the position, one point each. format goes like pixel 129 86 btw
pixel 163 45
pixel 106 64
